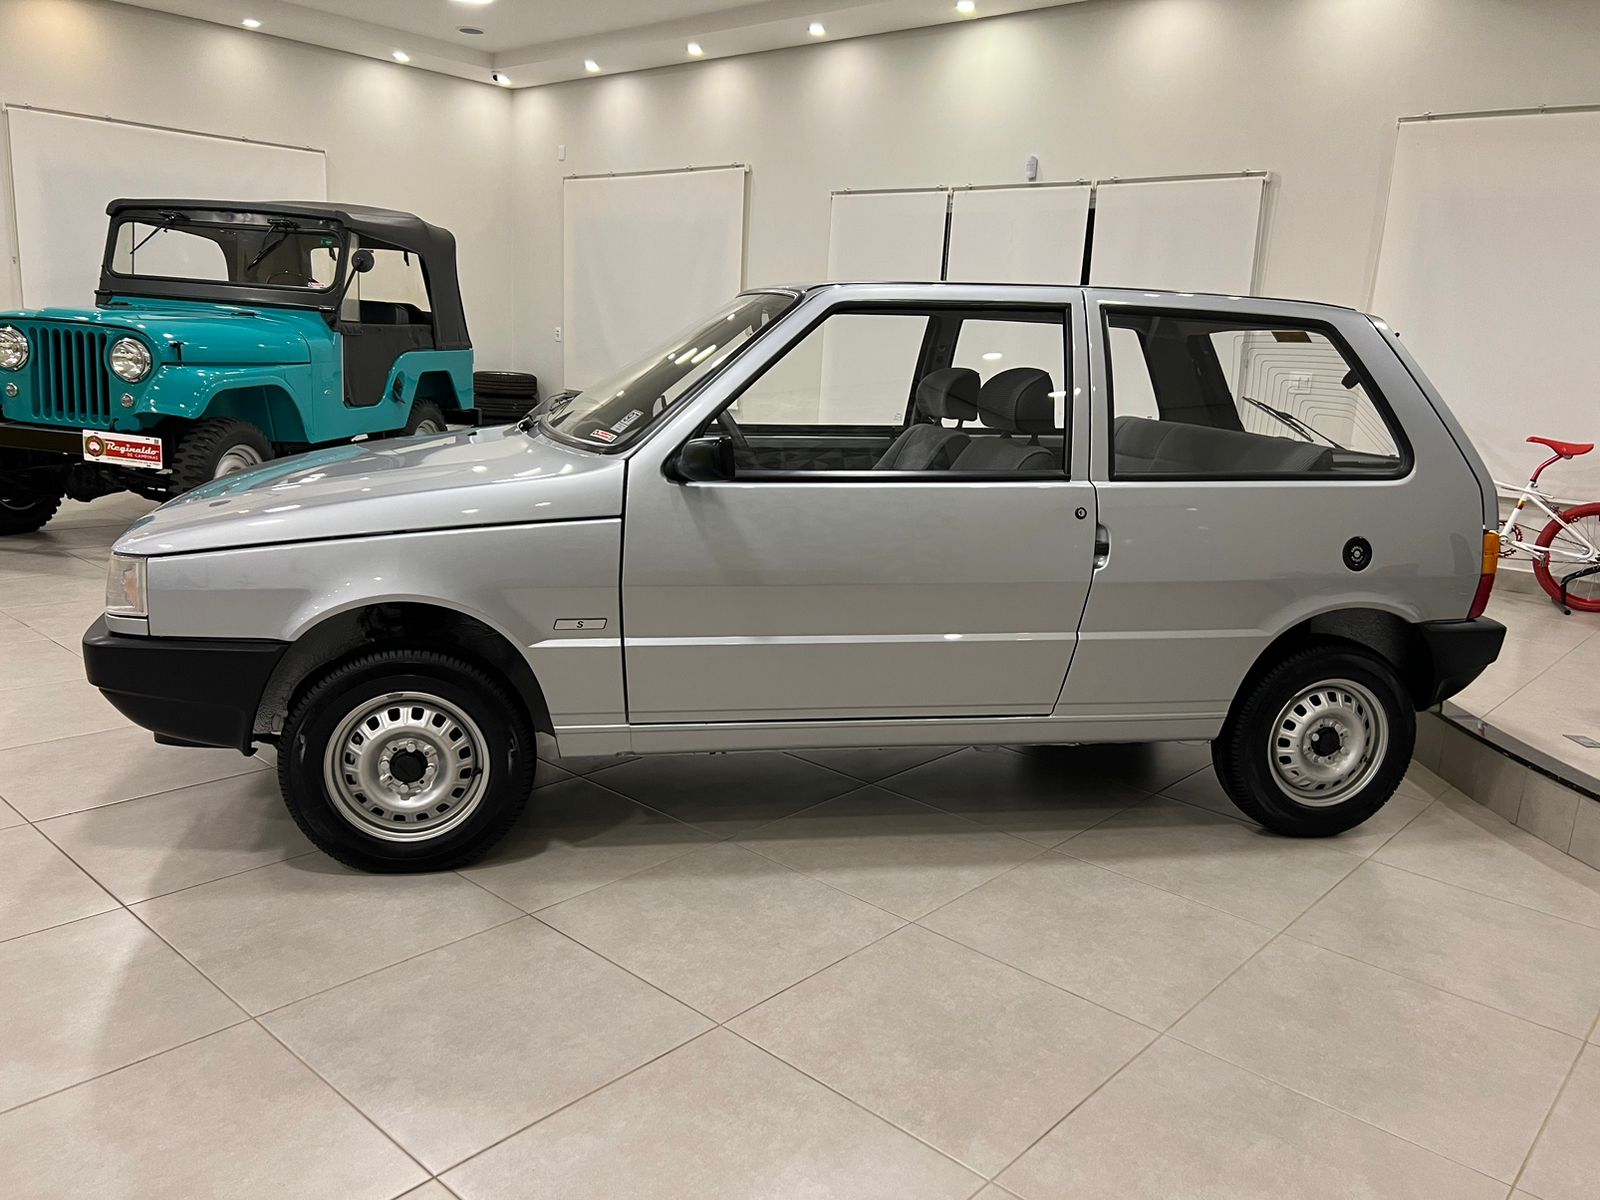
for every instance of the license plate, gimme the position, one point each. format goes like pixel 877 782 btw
pixel 123 449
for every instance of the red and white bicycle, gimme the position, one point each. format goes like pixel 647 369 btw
pixel 1566 558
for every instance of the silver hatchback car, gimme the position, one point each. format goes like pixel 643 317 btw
pixel 843 515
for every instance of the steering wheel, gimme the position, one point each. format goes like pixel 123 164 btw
pixel 290 278
pixel 731 428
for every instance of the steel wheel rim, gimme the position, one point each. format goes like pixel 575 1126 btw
pixel 236 459
pixel 1328 742
pixel 429 426
pixel 406 767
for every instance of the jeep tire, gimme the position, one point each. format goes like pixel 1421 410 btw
pixel 214 448
pixel 426 417
pixel 25 512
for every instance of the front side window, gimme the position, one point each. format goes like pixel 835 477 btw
pixel 394 292
pixel 901 389
pixel 249 249
pixel 616 412
pixel 1196 396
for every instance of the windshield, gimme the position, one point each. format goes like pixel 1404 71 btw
pixel 248 249
pixel 618 410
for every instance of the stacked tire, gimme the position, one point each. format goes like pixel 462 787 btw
pixel 504 396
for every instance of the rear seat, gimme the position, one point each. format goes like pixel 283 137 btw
pixel 1146 447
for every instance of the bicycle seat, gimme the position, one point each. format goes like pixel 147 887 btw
pixel 1565 449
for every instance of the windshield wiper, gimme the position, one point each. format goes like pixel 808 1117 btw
pixel 168 220
pixel 283 229
pixel 1293 422
pixel 545 409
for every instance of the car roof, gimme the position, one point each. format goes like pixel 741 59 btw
pixel 1012 290
pixel 387 227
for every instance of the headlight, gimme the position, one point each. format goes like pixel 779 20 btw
pixel 13 349
pixel 130 360
pixel 125 587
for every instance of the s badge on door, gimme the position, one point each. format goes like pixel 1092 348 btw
pixel 1357 553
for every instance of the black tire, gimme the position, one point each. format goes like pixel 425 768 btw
pixel 216 447
pixel 425 412
pixel 1255 755
pixel 488 800
pixel 24 513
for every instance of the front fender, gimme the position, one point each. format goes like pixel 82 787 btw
pixel 188 392
pixel 518 580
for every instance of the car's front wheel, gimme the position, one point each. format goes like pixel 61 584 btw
pixel 215 448
pixel 1318 743
pixel 406 760
pixel 22 511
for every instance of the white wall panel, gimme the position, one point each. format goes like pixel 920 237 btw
pixel 644 256
pixel 1490 270
pixel 1185 235
pixel 891 236
pixel 1018 235
pixel 65 169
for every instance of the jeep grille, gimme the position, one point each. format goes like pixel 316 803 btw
pixel 71 381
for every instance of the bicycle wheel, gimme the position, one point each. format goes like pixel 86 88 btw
pixel 1583 590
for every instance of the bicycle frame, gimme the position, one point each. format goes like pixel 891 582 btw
pixel 1590 552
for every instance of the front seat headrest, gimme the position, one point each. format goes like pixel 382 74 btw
pixel 951 392
pixel 1018 401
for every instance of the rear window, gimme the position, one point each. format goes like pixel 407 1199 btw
pixel 1198 396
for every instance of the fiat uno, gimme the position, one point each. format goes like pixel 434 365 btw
pixel 842 515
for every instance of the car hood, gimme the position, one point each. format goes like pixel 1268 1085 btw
pixel 500 476
pixel 208 335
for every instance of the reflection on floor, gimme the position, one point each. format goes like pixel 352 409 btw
pixel 853 974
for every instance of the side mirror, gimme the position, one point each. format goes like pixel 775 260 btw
pixel 703 460
pixel 362 261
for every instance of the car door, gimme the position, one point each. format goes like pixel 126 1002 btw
pixel 387 314
pixel 824 589
pixel 1252 473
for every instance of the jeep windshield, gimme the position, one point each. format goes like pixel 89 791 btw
pixel 243 249
pixel 616 411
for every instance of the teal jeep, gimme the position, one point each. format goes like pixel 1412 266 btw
pixel 225 335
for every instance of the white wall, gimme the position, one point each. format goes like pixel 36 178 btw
pixel 395 136
pixel 1308 89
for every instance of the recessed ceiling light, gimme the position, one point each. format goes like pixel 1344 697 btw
pixel 400 56
pixel 469 30
pixel 475 3
pixel 694 50
pixel 816 29
pixel 250 23
pixel 966 7
pixel 590 65
pixel 501 78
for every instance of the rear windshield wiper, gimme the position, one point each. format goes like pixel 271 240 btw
pixel 283 229
pixel 1293 422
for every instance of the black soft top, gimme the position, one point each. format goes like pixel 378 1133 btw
pixel 384 228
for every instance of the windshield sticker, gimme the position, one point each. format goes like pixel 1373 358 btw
pixel 632 416
pixel 603 435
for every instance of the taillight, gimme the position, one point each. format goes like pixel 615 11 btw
pixel 1491 564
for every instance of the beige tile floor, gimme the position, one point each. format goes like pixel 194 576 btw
pixel 950 973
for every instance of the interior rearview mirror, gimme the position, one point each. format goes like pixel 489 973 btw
pixel 703 460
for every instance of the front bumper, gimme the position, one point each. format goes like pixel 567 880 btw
pixel 43 439
pixel 188 691
pixel 1461 651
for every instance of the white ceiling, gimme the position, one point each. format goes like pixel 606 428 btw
pixel 545 41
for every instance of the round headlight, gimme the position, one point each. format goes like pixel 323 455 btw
pixel 13 349
pixel 130 360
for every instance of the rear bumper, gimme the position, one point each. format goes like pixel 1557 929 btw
pixel 1461 650
pixel 192 691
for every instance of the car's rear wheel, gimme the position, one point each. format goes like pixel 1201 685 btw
pixel 1318 743
pixel 23 512
pixel 406 760
pixel 216 448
